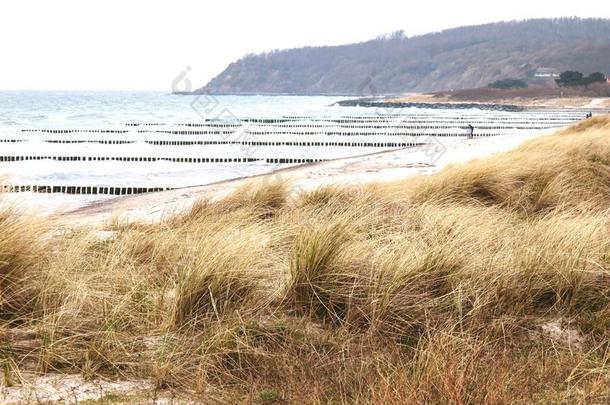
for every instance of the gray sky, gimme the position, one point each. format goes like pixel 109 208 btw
pixel 131 45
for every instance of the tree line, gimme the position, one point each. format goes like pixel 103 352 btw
pixel 575 78
pixel 508 84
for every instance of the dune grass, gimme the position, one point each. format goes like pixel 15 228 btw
pixel 439 289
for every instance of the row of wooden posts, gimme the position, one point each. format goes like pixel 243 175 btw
pixel 227 142
pixel 156 159
pixel 12 188
pixel 367 119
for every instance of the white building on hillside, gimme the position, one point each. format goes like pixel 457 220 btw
pixel 544 72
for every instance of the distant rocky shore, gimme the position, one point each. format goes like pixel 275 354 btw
pixel 363 102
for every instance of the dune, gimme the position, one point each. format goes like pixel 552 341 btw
pixel 486 282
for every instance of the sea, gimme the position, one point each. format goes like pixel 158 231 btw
pixel 92 109
pixel 22 111
pixel 90 141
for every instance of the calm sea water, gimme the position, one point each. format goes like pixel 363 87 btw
pixel 105 110
pixel 113 110
pixel 79 109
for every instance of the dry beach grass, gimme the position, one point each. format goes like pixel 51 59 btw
pixel 486 283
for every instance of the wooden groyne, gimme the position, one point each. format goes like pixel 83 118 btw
pixel 395 144
pixel 81 189
pixel 283 140
pixel 19 158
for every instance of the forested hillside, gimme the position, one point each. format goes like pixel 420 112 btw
pixel 452 59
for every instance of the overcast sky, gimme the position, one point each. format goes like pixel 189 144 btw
pixel 133 45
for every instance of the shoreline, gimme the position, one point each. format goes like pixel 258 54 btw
pixel 354 172
pixel 430 105
pixel 528 102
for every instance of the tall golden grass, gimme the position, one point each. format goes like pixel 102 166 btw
pixel 435 289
